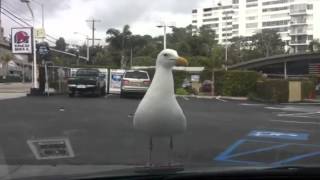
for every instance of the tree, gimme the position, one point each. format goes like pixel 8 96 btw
pixel 61 44
pixel 314 46
pixel 6 58
pixel 268 43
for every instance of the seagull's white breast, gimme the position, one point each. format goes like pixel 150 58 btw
pixel 159 113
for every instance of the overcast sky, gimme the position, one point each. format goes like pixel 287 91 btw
pixel 63 17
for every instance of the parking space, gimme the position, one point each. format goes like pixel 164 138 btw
pixel 100 131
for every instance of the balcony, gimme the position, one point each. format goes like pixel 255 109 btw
pixel 298 43
pixel 298 23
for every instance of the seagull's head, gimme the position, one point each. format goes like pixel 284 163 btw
pixel 169 58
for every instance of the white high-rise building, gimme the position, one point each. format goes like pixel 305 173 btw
pixel 297 21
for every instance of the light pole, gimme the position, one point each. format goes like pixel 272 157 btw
pixel 87 44
pixel 164 26
pixel 34 67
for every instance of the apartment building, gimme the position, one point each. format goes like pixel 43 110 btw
pixel 297 21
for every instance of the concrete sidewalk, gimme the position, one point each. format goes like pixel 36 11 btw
pixel 15 87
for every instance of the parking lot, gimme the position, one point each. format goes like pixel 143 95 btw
pixel 100 131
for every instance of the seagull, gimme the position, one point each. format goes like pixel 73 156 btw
pixel 159 114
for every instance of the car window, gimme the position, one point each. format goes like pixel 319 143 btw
pixel 136 75
pixel 87 72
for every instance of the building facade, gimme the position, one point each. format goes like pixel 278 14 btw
pixel 296 21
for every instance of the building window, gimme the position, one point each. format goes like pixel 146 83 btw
pixel 275 9
pixel 298 8
pixel 252 25
pixel 206 15
pixel 194 21
pixel 235 26
pixel 274 2
pixel 194 11
pixel 251 1
pixel 207 9
pixel 226 29
pixel 235 1
pixel 252 5
pixel 282 29
pixel 227 18
pixel 211 19
pixel 309 6
pixel 250 18
pixel 275 23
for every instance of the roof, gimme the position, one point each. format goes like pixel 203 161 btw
pixel 275 60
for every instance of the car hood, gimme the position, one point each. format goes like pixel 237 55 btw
pixel 108 171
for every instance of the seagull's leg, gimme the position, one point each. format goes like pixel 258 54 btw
pixel 171 151
pixel 150 151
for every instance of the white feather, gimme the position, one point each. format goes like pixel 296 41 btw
pixel 159 113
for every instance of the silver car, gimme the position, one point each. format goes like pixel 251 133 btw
pixel 134 82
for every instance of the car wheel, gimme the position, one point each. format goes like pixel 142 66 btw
pixel 71 94
pixel 103 91
pixel 122 95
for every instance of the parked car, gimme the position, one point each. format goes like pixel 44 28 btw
pixel 206 86
pixel 134 82
pixel 87 81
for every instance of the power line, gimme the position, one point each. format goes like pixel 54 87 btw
pixel 93 21
pixel 20 19
pixel 11 19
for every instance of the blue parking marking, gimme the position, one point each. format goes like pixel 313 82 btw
pixel 228 155
pixel 279 135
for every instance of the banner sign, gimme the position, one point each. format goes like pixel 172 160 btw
pixel 21 39
pixel 115 80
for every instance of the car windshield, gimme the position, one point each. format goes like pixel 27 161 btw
pixel 87 72
pixel 141 87
pixel 136 75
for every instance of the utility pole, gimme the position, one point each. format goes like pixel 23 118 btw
pixel 93 21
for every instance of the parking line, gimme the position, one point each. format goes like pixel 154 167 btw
pixel 219 98
pixel 185 98
pixel 296 122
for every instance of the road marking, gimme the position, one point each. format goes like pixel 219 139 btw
pixel 248 104
pixel 219 98
pixel 301 115
pixel 185 98
pixel 296 122
pixel 107 96
pixel 279 135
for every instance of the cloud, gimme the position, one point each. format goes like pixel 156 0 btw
pixel 120 12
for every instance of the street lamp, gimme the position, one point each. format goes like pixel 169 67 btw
pixel 164 26
pixel 87 43
pixel 226 41
pixel 34 67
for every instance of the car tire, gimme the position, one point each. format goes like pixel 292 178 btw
pixel 103 91
pixel 122 95
pixel 72 94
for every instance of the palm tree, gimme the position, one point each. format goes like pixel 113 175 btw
pixel 5 58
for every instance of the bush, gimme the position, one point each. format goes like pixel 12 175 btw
pixel 276 91
pixel 181 91
pixel 307 89
pixel 235 83
pixel 218 82
pixel 178 77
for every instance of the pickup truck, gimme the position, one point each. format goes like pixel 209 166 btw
pixel 87 81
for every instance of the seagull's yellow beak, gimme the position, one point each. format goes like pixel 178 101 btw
pixel 181 62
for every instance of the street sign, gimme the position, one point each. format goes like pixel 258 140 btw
pixel 279 135
pixel 40 33
pixel 21 39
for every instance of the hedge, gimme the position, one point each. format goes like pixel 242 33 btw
pixel 307 89
pixel 235 83
pixel 276 91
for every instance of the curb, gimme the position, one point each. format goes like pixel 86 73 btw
pixel 215 97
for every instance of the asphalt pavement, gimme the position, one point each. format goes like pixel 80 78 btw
pixel 220 132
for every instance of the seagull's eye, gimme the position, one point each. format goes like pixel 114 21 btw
pixel 165 55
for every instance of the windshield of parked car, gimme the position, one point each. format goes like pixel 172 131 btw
pixel 145 87
pixel 136 75
pixel 87 72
